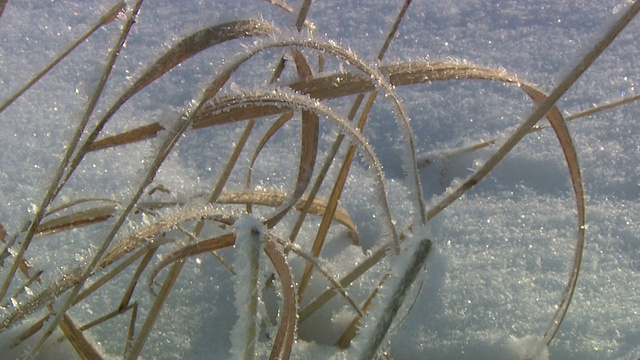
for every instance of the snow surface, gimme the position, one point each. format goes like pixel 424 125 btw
pixel 501 254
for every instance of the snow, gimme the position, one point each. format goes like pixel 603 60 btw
pixel 501 254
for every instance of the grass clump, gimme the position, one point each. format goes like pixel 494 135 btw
pixel 153 232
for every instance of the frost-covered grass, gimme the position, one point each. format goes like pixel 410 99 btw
pixel 255 179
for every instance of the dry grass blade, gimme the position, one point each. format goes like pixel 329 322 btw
pixel 282 119
pixel 598 109
pixel 5 254
pixel 108 17
pixel 394 29
pixel 285 336
pixel 75 220
pixel 30 331
pixel 312 260
pixel 76 202
pixel 139 134
pixel 351 330
pixel 336 193
pixel 3 3
pixel 126 298
pixel 389 310
pixel 323 229
pixel 112 273
pixel 132 242
pixel 149 322
pixel 232 161
pixel 23 288
pixel 400 74
pixel 302 66
pixel 269 100
pixel 203 119
pixel 426 159
pixel 308 152
pixel 302 14
pixel 3 233
pixel 56 183
pixel 282 5
pixel 197 42
pixel 274 199
pixel 106 317
pixel 83 347
pixel 358 271
pixel 200 247
pixel 188 47
pixel 522 130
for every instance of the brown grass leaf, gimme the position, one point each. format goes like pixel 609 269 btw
pixel 308 152
pixel 275 198
pixel 285 336
pixel 78 219
pixel 197 42
pixel 80 344
pixel 138 134
pixel 200 247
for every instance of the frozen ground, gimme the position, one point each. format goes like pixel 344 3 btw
pixel 501 254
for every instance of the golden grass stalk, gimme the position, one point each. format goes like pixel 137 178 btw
pixel 188 47
pixel 53 189
pixel 210 109
pixel 569 151
pixel 138 134
pixel 200 247
pixel 108 17
pixel 149 322
pixel 374 76
pixel 56 184
pixel 269 100
pixel 273 198
pixel 336 192
pixel 3 3
pixel 285 336
pixel 231 162
pixel 312 260
pixel 282 119
pixel 178 53
pixel 371 260
pixel 604 107
pixel 77 219
pixel 388 309
pixel 82 346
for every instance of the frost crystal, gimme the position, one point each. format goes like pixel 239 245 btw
pixel 249 243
